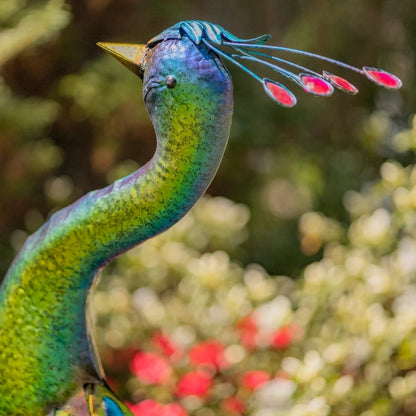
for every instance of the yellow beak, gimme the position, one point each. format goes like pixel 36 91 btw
pixel 130 55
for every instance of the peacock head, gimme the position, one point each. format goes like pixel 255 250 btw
pixel 176 71
pixel 215 40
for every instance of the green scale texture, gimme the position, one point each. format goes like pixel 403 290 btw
pixel 46 357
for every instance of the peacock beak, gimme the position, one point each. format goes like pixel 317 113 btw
pixel 130 55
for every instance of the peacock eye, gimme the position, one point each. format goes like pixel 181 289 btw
pixel 170 81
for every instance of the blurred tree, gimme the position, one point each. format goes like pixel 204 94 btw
pixel 27 155
pixel 83 111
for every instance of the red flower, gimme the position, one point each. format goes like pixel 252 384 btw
pixel 209 353
pixel 248 332
pixel 233 405
pixel 284 336
pixel 254 379
pixel 146 408
pixel 152 408
pixel 166 345
pixel 174 409
pixel 150 368
pixel 195 383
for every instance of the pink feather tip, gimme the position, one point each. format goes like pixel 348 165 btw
pixel 279 93
pixel 340 83
pixel 383 78
pixel 315 85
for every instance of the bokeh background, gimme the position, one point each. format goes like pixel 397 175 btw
pixel 300 267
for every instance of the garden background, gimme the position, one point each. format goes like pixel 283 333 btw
pixel 291 290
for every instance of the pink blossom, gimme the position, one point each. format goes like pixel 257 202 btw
pixel 174 409
pixel 208 353
pixel 248 332
pixel 233 405
pixel 284 336
pixel 153 408
pixel 253 379
pixel 166 345
pixel 150 368
pixel 194 383
pixel 146 408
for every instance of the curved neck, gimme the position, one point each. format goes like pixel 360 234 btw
pixel 47 285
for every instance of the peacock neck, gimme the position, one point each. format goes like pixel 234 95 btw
pixel 44 296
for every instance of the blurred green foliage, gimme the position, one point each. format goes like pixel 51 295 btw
pixel 69 111
pixel 71 120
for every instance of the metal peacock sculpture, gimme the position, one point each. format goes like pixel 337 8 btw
pixel 48 365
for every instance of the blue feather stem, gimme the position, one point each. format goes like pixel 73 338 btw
pixel 228 56
pixel 283 61
pixel 312 55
